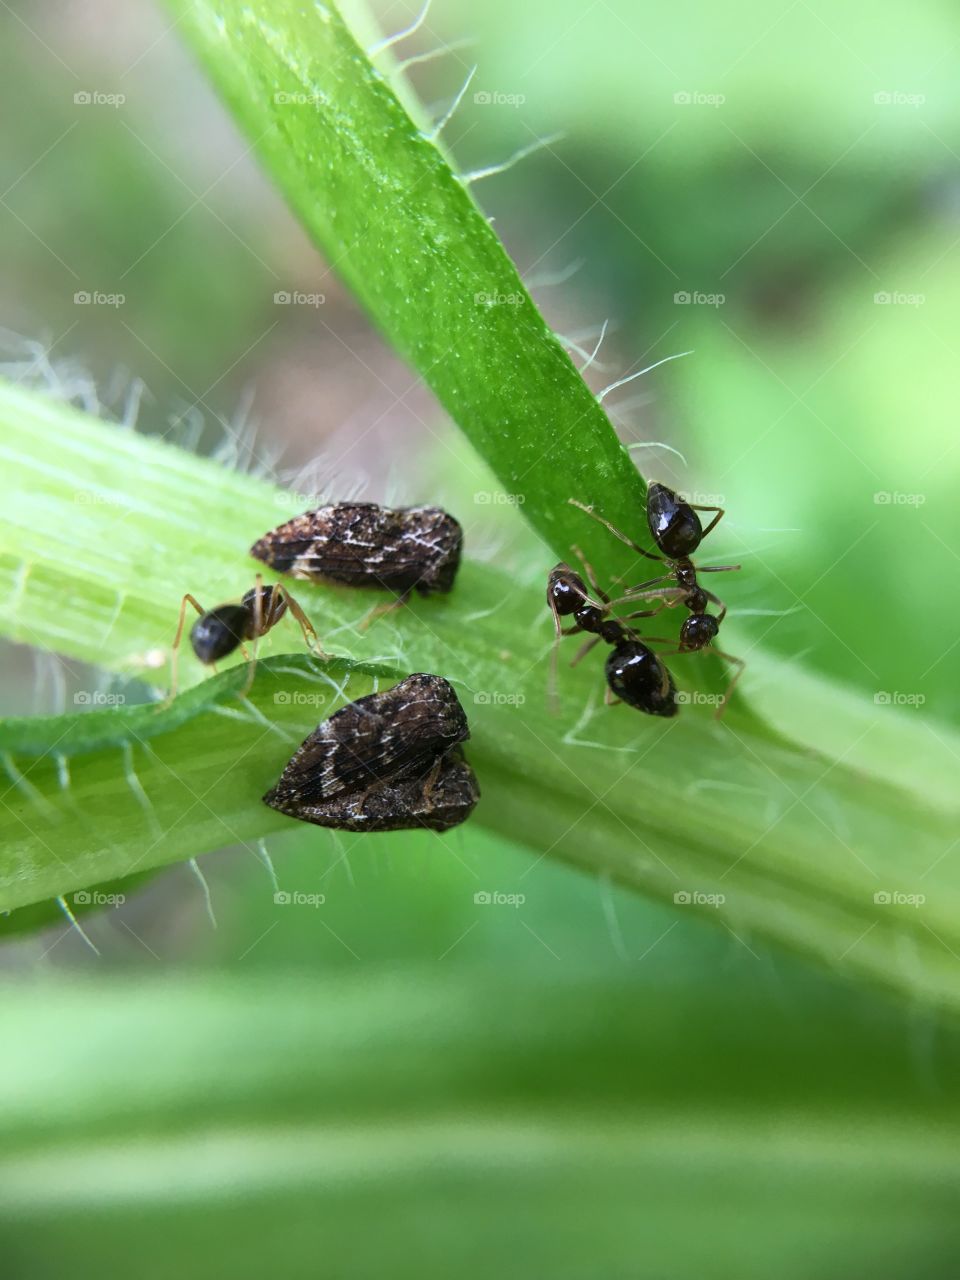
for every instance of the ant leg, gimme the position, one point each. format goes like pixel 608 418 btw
pixel 717 601
pixel 614 530
pixel 260 624
pixel 643 588
pixel 379 610
pixel 251 661
pixel 609 699
pixel 306 626
pixel 585 649
pixel 591 574
pixel 642 613
pixel 714 522
pixel 741 666
pixel 175 651
pixel 718 568
pixel 671 597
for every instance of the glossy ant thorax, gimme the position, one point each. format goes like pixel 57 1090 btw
pixel 674 525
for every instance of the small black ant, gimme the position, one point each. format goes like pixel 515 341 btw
pixel 634 673
pixel 218 632
pixel 677 531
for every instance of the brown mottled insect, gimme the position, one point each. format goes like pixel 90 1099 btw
pixel 387 761
pixel 218 632
pixel 360 544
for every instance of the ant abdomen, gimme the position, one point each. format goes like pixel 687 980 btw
pixel 217 633
pixel 674 525
pixel 637 676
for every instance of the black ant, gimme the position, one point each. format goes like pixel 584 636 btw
pixel 635 675
pixel 677 531
pixel 218 632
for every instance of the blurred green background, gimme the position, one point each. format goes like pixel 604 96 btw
pixel 398 1080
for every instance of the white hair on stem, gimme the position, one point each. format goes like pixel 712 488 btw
pixel 550 279
pixel 447 116
pixel 414 26
pixel 492 170
pixel 622 382
pixel 416 58
pixel 657 444
pixel 594 353
pixel 572 345
pixel 263 855
pixel 194 866
pixel 75 924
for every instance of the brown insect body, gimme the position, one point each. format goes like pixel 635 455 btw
pixel 361 544
pixel 384 762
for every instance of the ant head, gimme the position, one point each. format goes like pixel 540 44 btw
pixel 219 632
pixel 674 524
pixel 566 591
pixel 637 676
pixel 272 605
pixel 698 630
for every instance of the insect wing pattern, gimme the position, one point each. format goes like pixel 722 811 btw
pixel 361 544
pixel 441 798
pixel 394 734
